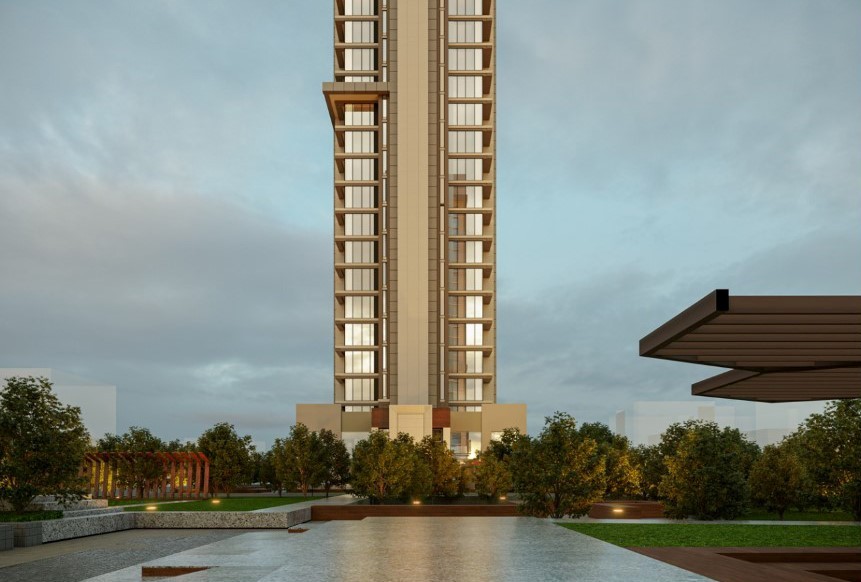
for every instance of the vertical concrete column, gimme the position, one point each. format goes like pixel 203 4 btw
pixel 412 219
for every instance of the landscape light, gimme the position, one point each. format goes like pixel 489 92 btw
pixel 618 510
pixel 417 502
pixel 502 497
pixel 216 501
pixel 151 507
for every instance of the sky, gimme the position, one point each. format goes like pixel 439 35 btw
pixel 166 193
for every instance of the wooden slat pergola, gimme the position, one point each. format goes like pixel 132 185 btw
pixel 780 348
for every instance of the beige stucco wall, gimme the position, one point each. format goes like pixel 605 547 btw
pixel 356 421
pixel 498 417
pixel 465 421
pixel 319 416
pixel 412 218
pixel 415 420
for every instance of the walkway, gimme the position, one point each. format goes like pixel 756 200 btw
pixel 334 500
pixel 395 549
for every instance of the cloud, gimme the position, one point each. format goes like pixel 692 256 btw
pixel 165 193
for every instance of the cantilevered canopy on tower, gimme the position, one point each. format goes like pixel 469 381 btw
pixel 780 348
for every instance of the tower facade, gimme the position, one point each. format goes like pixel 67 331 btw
pixel 413 110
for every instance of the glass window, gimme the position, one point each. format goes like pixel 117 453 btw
pixel 463 31
pixel 359 363
pixel 359 334
pixel 360 224
pixel 464 7
pixel 359 32
pixel 360 197
pixel 359 307
pixel 360 142
pixel 465 141
pixel 360 7
pixel 463 59
pixel 361 59
pixel 465 252
pixel 360 170
pixel 465 196
pixel 360 279
pixel 474 334
pixel 359 389
pixel 460 169
pixel 360 252
pixel 359 114
pixel 464 87
pixel 474 306
pixel 474 279
pixel 465 114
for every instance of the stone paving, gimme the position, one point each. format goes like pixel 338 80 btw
pixel 476 549
pixel 81 559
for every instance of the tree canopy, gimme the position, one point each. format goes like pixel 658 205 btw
pixel 42 443
pixel 830 450
pixel 229 454
pixel 385 468
pixel 777 479
pixel 707 471
pixel 560 472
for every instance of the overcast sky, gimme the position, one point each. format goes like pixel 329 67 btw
pixel 166 192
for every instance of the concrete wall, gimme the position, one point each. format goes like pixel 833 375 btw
pixel 319 416
pixel 498 417
pixel 412 217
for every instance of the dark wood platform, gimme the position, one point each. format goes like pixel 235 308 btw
pixel 339 512
pixel 627 510
pixel 764 564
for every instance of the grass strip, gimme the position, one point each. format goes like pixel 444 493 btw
pixel 797 516
pixel 224 504
pixel 720 535
pixel 11 516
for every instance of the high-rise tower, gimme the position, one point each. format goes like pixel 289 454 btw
pixel 413 110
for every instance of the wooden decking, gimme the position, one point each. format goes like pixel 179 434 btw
pixel 764 564
pixel 627 510
pixel 339 512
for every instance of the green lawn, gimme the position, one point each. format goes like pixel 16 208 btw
pixel 232 504
pixel 719 535
pixel 7 516
pixel 799 516
pixel 121 502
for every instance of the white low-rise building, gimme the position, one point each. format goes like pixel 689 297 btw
pixel 762 423
pixel 97 400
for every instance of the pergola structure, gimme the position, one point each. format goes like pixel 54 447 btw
pixel 780 348
pixel 181 475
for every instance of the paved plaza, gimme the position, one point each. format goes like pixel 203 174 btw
pixel 395 549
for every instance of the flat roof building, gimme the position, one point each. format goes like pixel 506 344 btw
pixel 97 400
pixel 413 111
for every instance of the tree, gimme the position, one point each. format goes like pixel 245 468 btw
pixel 229 457
pixel 492 476
pixel 503 447
pixel 650 463
pixel 42 443
pixel 777 479
pixel 336 460
pixel 559 473
pixel 443 466
pixel 299 460
pixel 707 473
pixel 622 473
pixel 135 472
pixel 268 474
pixel 382 468
pixel 421 479
pixel 829 446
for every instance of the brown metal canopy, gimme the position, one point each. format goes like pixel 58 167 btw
pixel 781 348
